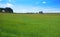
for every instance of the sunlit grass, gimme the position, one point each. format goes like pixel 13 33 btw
pixel 29 25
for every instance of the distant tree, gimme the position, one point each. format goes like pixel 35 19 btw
pixel 41 12
pixel 2 10
pixel 9 10
pixel 6 10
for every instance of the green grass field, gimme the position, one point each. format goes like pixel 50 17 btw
pixel 29 25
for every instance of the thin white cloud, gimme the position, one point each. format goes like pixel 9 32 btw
pixel 9 5
pixel 6 5
pixel 11 0
pixel 44 2
pixel 2 5
pixel 25 9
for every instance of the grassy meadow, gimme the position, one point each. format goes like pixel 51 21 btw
pixel 29 25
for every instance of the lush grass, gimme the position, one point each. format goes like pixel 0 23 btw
pixel 29 25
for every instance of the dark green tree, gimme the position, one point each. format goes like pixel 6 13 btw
pixel 2 10
pixel 6 10
pixel 9 10
pixel 41 12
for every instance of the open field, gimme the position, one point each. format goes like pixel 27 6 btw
pixel 29 25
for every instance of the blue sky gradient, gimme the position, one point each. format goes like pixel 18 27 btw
pixel 32 5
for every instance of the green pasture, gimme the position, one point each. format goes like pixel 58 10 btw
pixel 29 25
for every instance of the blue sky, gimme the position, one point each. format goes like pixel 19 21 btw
pixel 32 5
